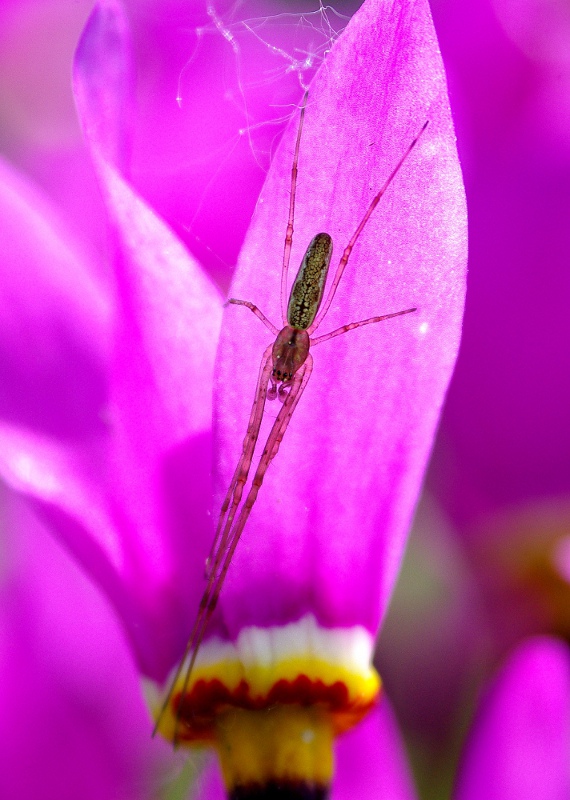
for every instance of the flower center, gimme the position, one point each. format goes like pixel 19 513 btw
pixel 272 702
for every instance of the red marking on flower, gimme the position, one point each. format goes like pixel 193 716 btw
pixel 208 700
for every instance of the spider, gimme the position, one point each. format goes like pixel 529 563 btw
pixel 286 366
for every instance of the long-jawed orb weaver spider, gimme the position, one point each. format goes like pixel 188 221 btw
pixel 286 366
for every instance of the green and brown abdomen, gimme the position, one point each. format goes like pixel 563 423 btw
pixel 307 291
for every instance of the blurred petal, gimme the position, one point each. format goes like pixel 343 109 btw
pixel 328 529
pixel 124 500
pixel 54 319
pixel 371 761
pixel 133 502
pixel 64 661
pixel 169 314
pixel 520 743
pixel 104 99
pixel 168 322
pixel 506 421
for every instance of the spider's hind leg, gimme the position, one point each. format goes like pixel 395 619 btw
pixel 235 489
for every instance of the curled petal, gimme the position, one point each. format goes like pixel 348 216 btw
pixel 168 318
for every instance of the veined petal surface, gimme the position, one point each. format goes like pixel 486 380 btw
pixel 327 532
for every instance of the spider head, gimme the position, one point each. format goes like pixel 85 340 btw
pixel 290 352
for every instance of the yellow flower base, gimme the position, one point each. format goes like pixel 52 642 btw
pixel 284 745
pixel 272 702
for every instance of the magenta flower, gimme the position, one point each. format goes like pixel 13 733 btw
pixel 117 459
pixel 519 746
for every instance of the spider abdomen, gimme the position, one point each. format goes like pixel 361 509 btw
pixel 309 285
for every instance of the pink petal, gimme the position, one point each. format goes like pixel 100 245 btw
pixel 64 661
pixel 168 319
pixel 371 760
pixel 54 319
pixel 133 502
pixel 519 746
pixel 167 332
pixel 329 526
pixel 506 418
pixel 103 80
pixel 169 314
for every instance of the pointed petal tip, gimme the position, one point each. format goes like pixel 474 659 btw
pixel 103 80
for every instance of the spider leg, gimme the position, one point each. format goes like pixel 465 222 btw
pixel 348 249
pixel 259 314
pixel 234 493
pixel 274 440
pixel 289 230
pixel 216 582
pixel 352 325
pixel 235 490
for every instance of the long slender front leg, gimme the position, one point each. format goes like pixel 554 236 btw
pixel 348 249
pixel 291 220
pixel 352 325
pixel 259 314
